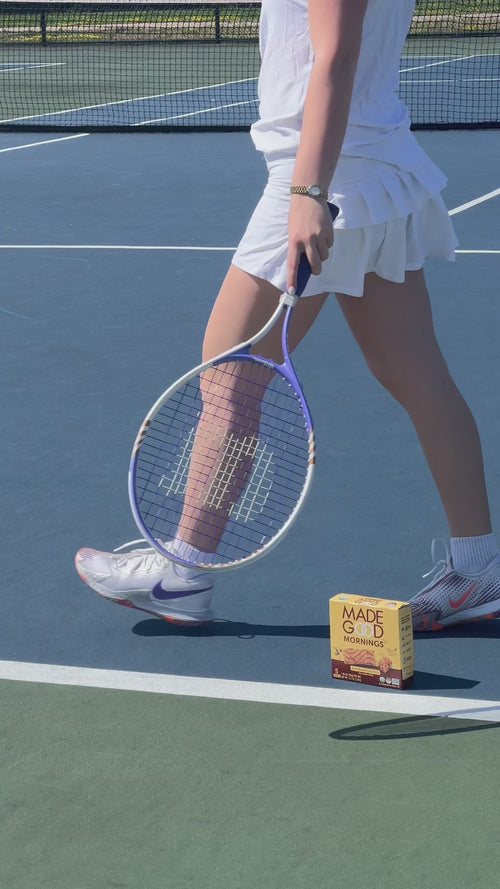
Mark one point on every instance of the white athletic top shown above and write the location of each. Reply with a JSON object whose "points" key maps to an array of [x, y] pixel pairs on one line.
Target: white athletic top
{"points": [[379, 124], [384, 184]]}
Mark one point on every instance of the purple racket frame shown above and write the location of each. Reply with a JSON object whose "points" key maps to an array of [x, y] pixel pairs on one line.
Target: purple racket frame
{"points": [[241, 352]]}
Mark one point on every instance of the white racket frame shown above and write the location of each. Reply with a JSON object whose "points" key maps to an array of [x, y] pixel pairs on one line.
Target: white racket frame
{"points": [[287, 301]]}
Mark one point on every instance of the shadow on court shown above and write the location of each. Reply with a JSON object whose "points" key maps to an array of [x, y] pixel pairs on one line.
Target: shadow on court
{"points": [[247, 632], [228, 628], [410, 727]]}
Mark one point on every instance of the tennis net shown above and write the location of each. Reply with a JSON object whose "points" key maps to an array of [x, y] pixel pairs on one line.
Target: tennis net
{"points": [[194, 66]]}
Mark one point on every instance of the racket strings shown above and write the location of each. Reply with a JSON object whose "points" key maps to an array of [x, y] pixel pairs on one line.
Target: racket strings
{"points": [[224, 461], [234, 465]]}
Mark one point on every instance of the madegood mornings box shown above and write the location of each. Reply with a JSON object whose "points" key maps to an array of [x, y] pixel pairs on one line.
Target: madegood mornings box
{"points": [[372, 641]]}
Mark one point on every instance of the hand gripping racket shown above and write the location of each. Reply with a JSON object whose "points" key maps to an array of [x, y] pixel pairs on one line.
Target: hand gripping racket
{"points": [[225, 457]]}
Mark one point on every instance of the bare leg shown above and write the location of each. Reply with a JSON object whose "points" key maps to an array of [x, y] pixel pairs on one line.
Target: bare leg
{"points": [[227, 433], [243, 306], [393, 325]]}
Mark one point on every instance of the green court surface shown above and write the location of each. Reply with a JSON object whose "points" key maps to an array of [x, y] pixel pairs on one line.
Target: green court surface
{"points": [[105, 789]]}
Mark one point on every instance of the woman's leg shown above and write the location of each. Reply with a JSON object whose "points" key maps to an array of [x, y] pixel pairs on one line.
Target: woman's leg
{"points": [[228, 430], [243, 306], [393, 325], [143, 578]]}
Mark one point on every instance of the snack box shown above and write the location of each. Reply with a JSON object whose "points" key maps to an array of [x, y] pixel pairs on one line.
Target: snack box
{"points": [[371, 640]]}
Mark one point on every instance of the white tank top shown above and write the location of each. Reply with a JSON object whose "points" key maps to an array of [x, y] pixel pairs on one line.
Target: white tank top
{"points": [[379, 124]]}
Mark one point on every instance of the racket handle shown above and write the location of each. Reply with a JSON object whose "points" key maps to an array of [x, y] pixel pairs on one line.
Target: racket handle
{"points": [[304, 270]]}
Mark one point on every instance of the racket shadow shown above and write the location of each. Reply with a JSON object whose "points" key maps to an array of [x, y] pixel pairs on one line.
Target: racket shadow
{"points": [[410, 728]]}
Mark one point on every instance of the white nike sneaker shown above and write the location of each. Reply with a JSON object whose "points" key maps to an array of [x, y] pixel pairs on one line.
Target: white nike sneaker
{"points": [[453, 598], [148, 581]]}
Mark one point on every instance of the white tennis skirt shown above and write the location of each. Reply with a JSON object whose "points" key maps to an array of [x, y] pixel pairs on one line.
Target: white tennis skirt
{"points": [[390, 222]]}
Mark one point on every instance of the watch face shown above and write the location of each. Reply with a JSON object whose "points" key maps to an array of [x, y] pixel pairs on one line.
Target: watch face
{"points": [[314, 191]]}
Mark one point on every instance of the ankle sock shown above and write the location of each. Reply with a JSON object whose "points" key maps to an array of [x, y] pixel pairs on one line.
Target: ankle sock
{"points": [[186, 551], [471, 555]]}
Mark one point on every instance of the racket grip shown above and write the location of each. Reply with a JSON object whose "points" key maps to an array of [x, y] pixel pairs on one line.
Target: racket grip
{"points": [[304, 270]]}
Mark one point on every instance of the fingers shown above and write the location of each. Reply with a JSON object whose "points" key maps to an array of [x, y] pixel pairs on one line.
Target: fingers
{"points": [[310, 231], [294, 254], [317, 251]]}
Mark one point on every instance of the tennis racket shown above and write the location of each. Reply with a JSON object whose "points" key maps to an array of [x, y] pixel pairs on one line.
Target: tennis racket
{"points": [[225, 457]]}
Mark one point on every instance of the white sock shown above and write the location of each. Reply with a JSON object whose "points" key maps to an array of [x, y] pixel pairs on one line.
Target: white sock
{"points": [[191, 554], [472, 555]]}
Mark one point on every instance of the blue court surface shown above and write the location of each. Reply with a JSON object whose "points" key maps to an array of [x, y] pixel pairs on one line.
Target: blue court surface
{"points": [[112, 250]]}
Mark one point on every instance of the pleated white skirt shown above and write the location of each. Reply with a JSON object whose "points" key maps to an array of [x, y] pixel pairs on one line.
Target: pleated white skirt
{"points": [[390, 222]]}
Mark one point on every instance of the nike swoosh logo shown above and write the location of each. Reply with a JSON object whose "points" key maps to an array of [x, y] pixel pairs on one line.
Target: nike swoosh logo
{"points": [[463, 598]]}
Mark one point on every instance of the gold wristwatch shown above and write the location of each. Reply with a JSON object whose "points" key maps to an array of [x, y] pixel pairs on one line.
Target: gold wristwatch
{"points": [[314, 191]]}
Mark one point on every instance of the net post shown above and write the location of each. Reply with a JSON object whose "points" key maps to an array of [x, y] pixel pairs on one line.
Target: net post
{"points": [[217, 24], [43, 26]]}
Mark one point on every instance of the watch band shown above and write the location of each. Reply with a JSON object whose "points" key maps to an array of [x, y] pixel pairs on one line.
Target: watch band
{"points": [[313, 191]]}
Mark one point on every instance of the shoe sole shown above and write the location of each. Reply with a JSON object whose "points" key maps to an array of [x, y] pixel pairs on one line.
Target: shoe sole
{"points": [[180, 620], [473, 615]]}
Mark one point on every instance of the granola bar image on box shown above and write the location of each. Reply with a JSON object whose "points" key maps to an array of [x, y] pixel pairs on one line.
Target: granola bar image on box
{"points": [[384, 664], [359, 657]]}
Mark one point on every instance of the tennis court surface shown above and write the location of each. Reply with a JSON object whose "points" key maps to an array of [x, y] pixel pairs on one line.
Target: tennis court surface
{"points": [[138, 753]]}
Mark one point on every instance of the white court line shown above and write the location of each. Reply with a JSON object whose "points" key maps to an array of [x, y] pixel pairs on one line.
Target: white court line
{"points": [[257, 692], [45, 142], [197, 113], [475, 202], [424, 81], [21, 66], [436, 64], [460, 209], [137, 247], [106, 247]]}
